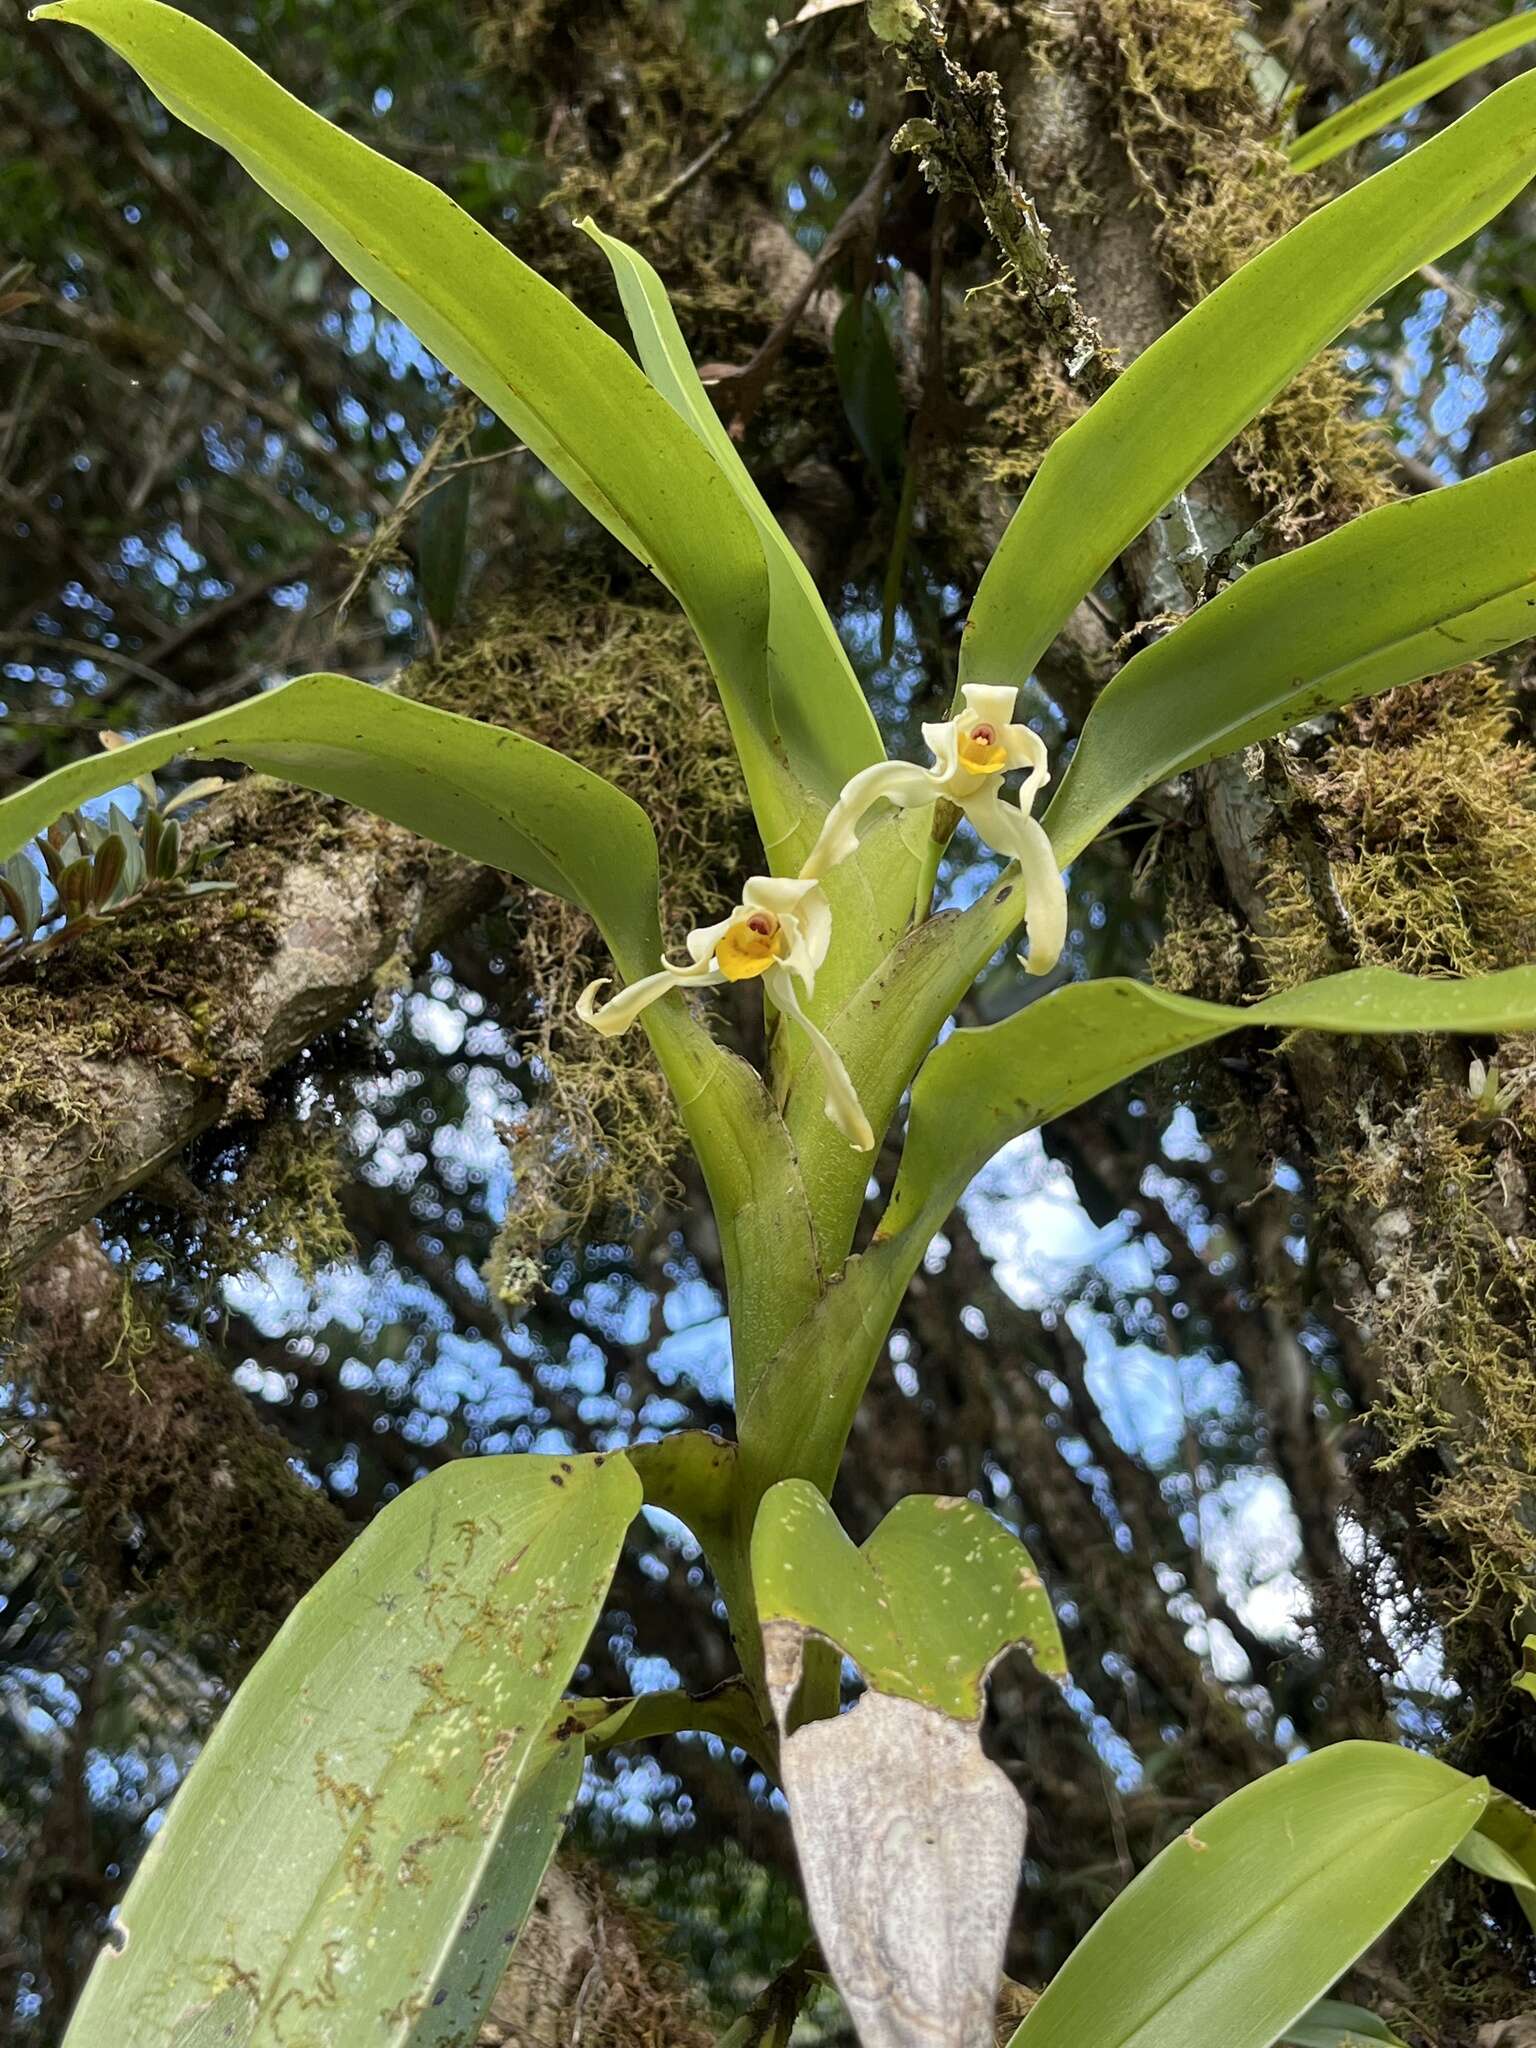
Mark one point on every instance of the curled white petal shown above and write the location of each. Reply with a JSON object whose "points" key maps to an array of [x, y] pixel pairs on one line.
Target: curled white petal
{"points": [[1026, 749], [899, 782], [842, 1104], [620, 1011], [1007, 831]]}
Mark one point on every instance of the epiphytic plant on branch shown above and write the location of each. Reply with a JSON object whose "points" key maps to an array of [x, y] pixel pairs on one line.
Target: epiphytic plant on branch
{"points": [[365, 1832]]}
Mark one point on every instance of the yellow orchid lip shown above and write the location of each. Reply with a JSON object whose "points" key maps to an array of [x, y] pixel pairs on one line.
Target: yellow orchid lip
{"points": [[981, 750], [751, 946]]}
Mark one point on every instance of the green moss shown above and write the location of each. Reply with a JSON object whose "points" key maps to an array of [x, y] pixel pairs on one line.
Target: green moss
{"points": [[629, 695], [183, 1499], [1206, 158]]}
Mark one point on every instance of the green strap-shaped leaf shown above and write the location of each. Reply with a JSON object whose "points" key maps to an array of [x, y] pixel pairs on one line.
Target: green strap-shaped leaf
{"points": [[1404, 592], [828, 728], [571, 392], [1503, 1846], [1245, 1920], [488, 793], [507, 801], [1332, 2024], [1182, 401], [927, 1606], [361, 1838], [1376, 110], [981, 1088]]}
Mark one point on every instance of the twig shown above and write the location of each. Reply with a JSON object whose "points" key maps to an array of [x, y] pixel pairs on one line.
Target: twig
{"points": [[964, 147], [738, 394], [95, 652], [458, 424], [734, 129]]}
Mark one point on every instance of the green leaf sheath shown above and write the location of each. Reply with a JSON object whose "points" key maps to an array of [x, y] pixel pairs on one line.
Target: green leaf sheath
{"points": [[1242, 1923], [1181, 402], [1406, 591], [927, 1606], [567, 388], [828, 730], [1376, 110], [982, 1088], [369, 1821], [487, 793], [1503, 1846]]}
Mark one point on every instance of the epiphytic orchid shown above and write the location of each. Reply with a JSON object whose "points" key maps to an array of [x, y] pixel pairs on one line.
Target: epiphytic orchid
{"points": [[779, 932], [494, 1570], [971, 755]]}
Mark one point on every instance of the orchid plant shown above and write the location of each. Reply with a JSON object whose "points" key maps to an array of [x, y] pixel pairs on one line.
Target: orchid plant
{"points": [[366, 1830]]}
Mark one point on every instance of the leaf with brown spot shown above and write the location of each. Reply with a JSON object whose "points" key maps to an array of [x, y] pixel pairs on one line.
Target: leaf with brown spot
{"points": [[371, 1819]]}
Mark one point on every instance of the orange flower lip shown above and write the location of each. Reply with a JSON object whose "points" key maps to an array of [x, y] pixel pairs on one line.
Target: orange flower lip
{"points": [[981, 750], [751, 947]]}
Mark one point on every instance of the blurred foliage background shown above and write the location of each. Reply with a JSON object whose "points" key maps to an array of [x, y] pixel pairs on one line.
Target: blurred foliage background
{"points": [[451, 1227]]}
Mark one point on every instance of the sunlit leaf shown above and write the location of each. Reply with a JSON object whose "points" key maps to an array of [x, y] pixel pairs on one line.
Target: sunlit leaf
{"points": [[1184, 398], [1247, 1918], [359, 1841], [1407, 591], [1376, 110], [983, 1087], [925, 1608], [497, 797], [827, 726], [488, 793], [567, 388]]}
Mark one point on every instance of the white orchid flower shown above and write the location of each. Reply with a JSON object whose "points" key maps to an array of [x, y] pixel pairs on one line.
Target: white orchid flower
{"points": [[971, 755], [779, 932]]}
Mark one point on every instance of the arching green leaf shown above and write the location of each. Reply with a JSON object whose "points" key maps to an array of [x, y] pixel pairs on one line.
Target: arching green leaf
{"points": [[1332, 2024], [555, 378], [499, 798], [366, 1828], [828, 728], [1244, 1921], [1404, 592], [488, 793], [1182, 401], [981, 1088], [1376, 110]]}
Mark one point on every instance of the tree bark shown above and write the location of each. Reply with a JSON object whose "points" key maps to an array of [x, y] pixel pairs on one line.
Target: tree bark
{"points": [[327, 900]]}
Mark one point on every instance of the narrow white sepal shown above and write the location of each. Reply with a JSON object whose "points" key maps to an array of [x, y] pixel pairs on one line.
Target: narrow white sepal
{"points": [[842, 1104], [1004, 827]]}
